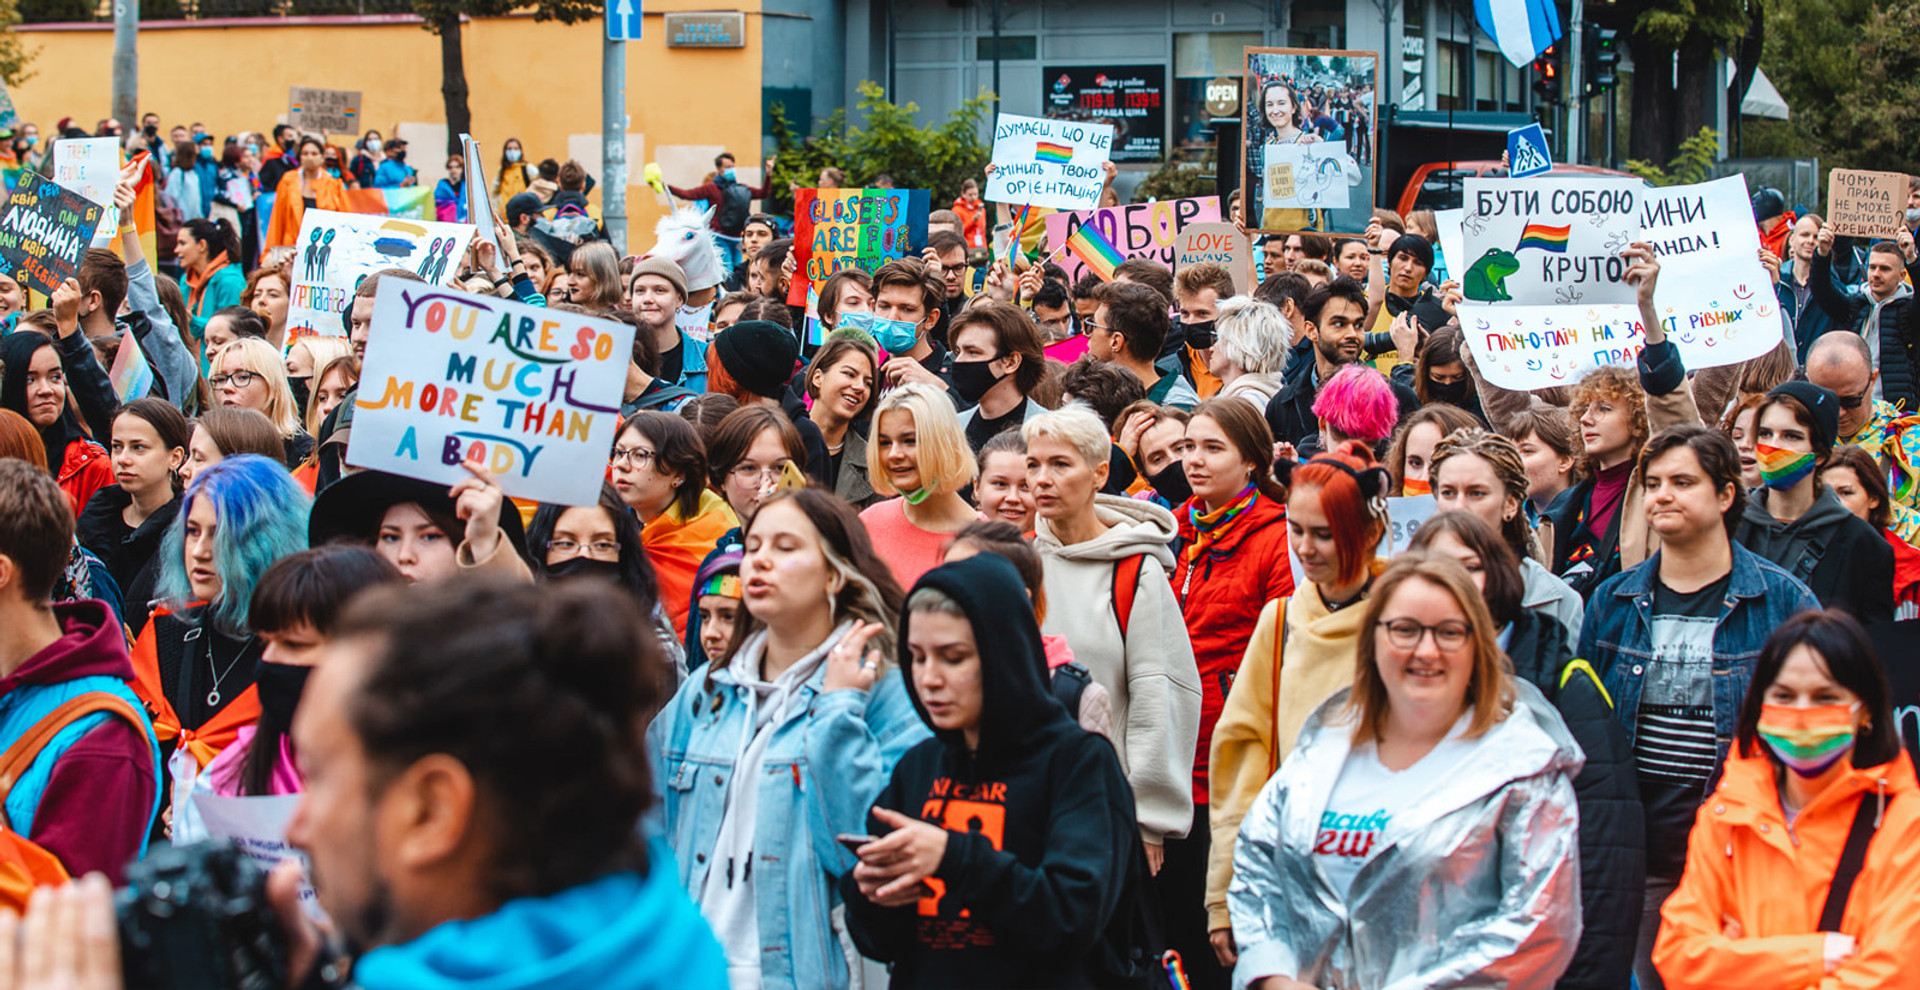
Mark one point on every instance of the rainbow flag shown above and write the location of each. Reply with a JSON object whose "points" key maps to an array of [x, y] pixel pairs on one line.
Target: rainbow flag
{"points": [[1052, 154], [1539, 235], [411, 202], [132, 376], [1095, 250]]}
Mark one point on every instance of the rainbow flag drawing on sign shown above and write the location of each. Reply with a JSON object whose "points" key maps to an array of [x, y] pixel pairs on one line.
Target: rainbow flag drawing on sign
{"points": [[411, 202], [1539, 235], [1095, 251], [132, 376], [1052, 154]]}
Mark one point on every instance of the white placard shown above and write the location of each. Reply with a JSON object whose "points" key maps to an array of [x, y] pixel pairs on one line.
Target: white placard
{"points": [[479, 201], [1546, 242], [91, 167], [258, 826], [1051, 163], [334, 251], [1310, 176]]}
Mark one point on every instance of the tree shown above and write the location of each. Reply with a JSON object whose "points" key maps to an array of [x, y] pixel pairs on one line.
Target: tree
{"points": [[14, 54], [1850, 70], [1693, 164], [1670, 104], [442, 18], [937, 158]]}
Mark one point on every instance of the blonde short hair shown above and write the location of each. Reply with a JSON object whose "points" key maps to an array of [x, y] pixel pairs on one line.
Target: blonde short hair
{"points": [[1253, 335], [257, 355], [1075, 424], [946, 462]]}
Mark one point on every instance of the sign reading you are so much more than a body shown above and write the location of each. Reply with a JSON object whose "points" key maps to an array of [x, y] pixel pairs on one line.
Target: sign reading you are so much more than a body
{"points": [[334, 251], [1052, 163], [1137, 230], [838, 229], [1714, 299], [530, 393], [44, 234]]}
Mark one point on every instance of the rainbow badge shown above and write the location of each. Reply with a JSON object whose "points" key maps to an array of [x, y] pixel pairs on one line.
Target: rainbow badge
{"points": [[1052, 154], [1096, 251], [1539, 235]]}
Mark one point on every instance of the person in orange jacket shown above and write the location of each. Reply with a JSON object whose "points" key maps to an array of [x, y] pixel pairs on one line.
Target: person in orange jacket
{"points": [[973, 214], [1817, 755], [301, 188]]}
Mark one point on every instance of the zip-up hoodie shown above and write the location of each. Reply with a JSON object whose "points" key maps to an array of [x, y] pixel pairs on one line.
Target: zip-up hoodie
{"points": [[1747, 866], [1150, 674], [1040, 822], [1839, 556]]}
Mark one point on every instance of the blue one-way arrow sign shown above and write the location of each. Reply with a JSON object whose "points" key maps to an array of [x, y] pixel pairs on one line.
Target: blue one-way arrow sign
{"points": [[623, 20]]}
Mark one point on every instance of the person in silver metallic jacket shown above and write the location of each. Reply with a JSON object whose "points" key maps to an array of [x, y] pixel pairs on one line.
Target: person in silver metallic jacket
{"points": [[1424, 832]]}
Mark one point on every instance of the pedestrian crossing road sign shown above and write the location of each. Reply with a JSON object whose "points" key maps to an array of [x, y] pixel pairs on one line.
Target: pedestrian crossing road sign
{"points": [[1527, 152]]}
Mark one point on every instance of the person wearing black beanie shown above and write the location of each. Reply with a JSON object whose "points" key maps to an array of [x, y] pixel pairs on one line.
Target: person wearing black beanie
{"points": [[754, 360]]}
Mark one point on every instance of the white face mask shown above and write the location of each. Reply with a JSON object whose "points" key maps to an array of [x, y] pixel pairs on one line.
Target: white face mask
{"points": [[373, 146], [513, 154]]}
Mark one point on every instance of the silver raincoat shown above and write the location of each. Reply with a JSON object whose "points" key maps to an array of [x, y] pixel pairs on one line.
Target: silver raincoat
{"points": [[1475, 885]]}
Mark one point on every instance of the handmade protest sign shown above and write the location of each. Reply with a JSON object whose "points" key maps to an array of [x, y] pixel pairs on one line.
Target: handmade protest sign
{"points": [[45, 233], [1307, 162], [335, 111], [336, 250], [479, 203], [1136, 230], [1535, 242], [1866, 204], [1050, 163], [531, 393], [837, 229], [257, 826], [1307, 176], [91, 167], [1221, 243]]}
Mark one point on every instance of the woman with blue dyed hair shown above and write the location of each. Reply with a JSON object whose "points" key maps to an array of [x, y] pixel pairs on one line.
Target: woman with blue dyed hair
{"points": [[194, 665]]}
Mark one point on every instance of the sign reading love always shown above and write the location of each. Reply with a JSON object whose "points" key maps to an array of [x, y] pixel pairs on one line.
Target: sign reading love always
{"points": [[1714, 298]]}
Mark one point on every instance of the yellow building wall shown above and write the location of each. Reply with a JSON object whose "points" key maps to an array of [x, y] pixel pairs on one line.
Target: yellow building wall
{"points": [[536, 81]]}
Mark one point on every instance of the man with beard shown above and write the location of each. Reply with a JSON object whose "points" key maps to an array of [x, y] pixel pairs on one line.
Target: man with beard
{"points": [[1335, 315]]}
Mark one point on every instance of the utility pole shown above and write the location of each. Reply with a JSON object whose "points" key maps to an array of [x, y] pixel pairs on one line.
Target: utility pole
{"points": [[1577, 86], [613, 124], [126, 64]]}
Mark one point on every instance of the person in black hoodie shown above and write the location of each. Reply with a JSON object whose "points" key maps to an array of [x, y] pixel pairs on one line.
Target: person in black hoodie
{"points": [[124, 522], [1018, 849]]}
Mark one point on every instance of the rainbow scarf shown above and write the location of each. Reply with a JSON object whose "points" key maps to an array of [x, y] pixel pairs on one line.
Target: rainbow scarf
{"points": [[1781, 468], [1212, 525]]}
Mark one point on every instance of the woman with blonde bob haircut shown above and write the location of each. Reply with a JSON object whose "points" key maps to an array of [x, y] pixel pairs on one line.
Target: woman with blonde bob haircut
{"points": [[250, 374], [1447, 770], [919, 453], [1250, 345]]}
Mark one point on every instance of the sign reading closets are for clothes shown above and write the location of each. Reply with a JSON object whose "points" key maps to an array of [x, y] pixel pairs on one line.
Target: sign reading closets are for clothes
{"points": [[1132, 98]]}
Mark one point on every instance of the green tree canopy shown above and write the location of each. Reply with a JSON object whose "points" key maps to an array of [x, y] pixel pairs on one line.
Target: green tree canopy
{"points": [[890, 142]]}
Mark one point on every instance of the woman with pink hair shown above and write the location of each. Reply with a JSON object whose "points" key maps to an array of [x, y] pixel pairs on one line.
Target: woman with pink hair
{"points": [[1356, 404]]}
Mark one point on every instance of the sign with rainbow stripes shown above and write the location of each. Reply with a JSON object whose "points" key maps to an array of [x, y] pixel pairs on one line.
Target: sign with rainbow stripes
{"points": [[1057, 164], [1548, 241], [326, 111], [837, 229]]}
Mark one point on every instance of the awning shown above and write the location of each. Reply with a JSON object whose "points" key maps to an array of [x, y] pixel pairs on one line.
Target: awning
{"points": [[1763, 100]]}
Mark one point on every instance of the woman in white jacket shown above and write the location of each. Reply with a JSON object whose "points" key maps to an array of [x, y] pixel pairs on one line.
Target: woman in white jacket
{"points": [[1107, 559]]}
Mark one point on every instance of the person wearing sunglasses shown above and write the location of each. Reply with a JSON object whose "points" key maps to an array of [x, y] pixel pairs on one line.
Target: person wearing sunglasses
{"points": [[1843, 364]]}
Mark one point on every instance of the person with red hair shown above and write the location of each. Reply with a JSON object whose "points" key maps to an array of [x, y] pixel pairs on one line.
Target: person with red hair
{"points": [[1301, 651]]}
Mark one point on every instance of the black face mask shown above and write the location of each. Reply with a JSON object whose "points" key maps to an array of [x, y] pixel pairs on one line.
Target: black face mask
{"points": [[400, 156], [280, 685], [972, 379], [1171, 483], [1454, 393], [584, 567], [300, 385], [1199, 335]]}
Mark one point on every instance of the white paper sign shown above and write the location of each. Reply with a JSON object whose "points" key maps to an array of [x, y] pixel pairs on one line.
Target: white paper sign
{"points": [[479, 201], [533, 394], [91, 167], [258, 826], [1308, 176], [336, 250], [1545, 242], [1051, 163], [1405, 515]]}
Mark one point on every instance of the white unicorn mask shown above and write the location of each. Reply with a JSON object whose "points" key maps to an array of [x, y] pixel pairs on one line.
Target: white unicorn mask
{"points": [[685, 238]]}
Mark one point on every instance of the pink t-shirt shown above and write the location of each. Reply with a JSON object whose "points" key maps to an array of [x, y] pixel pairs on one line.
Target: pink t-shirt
{"points": [[908, 550]]}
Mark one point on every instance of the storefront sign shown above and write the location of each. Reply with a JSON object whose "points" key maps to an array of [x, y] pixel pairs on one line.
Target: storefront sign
{"points": [[707, 29], [1130, 97]]}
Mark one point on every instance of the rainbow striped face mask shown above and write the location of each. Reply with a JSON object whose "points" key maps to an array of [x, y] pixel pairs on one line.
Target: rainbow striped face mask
{"points": [[1808, 740], [1781, 468]]}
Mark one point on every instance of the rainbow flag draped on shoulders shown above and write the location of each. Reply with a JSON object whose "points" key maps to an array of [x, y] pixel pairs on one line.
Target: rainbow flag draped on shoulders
{"points": [[409, 202]]}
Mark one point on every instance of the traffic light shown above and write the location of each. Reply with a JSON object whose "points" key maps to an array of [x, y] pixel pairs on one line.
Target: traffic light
{"points": [[1546, 76], [1606, 57]]}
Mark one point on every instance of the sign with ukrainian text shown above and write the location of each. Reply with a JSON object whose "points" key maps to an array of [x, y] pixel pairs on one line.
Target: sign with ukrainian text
{"points": [[1535, 242], [327, 111], [1052, 163], [334, 251], [838, 229], [45, 233], [530, 393], [1136, 230]]}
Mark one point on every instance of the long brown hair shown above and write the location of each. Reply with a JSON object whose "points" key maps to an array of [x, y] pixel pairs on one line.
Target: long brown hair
{"points": [[1251, 437], [1489, 690]]}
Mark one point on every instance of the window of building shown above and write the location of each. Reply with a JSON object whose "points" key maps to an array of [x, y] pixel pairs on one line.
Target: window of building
{"points": [[1206, 66]]}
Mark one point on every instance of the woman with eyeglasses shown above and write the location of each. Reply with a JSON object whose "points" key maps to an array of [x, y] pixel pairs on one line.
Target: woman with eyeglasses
{"points": [[250, 374], [754, 451], [659, 469], [1423, 832], [602, 541]]}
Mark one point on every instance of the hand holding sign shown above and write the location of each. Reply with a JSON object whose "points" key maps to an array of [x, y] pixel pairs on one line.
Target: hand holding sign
{"points": [[1053, 163], [476, 502]]}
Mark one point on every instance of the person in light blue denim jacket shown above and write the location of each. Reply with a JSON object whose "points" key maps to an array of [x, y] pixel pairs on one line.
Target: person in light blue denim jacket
{"points": [[766, 754]]}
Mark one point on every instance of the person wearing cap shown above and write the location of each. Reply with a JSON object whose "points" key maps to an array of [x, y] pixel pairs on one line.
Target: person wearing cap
{"points": [[1775, 221], [395, 172], [657, 287], [522, 209], [753, 361], [716, 603], [1797, 522], [425, 529]]}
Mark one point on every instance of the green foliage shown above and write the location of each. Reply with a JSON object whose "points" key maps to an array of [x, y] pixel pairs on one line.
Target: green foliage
{"points": [[1178, 179], [443, 12], [15, 56], [52, 12], [1693, 164], [891, 142], [1851, 73], [1670, 22]]}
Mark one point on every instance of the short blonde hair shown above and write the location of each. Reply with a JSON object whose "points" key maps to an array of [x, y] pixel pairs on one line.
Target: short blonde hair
{"points": [[1075, 424], [946, 462], [257, 355], [1253, 335]]}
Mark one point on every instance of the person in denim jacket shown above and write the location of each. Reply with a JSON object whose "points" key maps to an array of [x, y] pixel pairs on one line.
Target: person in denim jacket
{"points": [[767, 753], [1675, 640]]}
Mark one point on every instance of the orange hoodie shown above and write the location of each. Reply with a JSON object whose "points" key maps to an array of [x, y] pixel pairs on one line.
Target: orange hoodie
{"points": [[1745, 866]]}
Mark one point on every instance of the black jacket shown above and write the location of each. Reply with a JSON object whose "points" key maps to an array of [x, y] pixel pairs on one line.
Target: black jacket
{"points": [[124, 549], [1290, 411], [1898, 329], [1842, 560], [1613, 855], [1041, 840]]}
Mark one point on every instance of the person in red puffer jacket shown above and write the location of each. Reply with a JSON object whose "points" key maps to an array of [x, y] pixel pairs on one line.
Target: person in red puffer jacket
{"points": [[48, 380]]}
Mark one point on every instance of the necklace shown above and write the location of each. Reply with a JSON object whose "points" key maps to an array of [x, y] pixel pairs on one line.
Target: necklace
{"points": [[213, 696]]}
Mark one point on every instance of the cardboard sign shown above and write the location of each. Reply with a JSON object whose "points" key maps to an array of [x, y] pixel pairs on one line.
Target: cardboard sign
{"points": [[45, 233], [336, 250], [1715, 299], [1527, 153], [1136, 230], [1866, 204], [91, 167], [257, 826], [479, 203], [1308, 176], [837, 229], [1051, 163], [323, 110], [1531, 242], [1222, 243], [531, 393]]}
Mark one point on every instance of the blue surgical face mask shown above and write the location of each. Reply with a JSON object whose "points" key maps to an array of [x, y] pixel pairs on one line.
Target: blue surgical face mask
{"points": [[253, 149], [513, 154], [373, 146], [206, 153], [727, 175], [893, 336], [33, 139]]}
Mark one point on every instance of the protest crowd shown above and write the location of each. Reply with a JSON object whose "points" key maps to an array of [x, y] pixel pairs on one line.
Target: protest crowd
{"points": [[1012, 614]]}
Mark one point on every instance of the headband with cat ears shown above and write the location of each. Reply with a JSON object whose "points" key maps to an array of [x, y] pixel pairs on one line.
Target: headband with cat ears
{"points": [[1374, 482]]}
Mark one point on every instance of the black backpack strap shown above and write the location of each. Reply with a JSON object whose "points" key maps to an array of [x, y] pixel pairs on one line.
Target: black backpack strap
{"points": [[1069, 683], [1853, 856]]}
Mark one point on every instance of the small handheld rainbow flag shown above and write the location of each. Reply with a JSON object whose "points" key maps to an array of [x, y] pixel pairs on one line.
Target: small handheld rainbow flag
{"points": [[1095, 250], [816, 330], [1052, 154], [132, 376], [1539, 235]]}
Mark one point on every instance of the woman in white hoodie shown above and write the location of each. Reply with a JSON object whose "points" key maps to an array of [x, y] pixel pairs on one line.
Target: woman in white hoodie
{"points": [[1107, 559], [1250, 344]]}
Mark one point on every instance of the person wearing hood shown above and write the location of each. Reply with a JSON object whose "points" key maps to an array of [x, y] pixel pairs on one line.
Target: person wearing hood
{"points": [[124, 523], [767, 753], [1773, 882], [1009, 849], [91, 795], [1433, 796], [1613, 855], [428, 531], [1250, 345], [1797, 522], [997, 363], [53, 382], [1109, 556]]}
